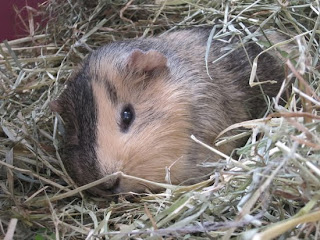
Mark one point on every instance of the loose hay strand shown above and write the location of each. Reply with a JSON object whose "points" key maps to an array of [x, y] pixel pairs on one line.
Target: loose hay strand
{"points": [[277, 229]]}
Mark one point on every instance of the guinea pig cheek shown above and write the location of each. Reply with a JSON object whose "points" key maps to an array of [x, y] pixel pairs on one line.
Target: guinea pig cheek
{"points": [[108, 137], [161, 136]]}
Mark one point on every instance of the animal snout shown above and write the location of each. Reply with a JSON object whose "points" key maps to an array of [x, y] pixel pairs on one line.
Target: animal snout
{"points": [[112, 184], [119, 185], [107, 188]]}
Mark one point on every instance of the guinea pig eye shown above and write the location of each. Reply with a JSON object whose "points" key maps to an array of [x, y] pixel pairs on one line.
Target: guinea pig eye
{"points": [[126, 117]]}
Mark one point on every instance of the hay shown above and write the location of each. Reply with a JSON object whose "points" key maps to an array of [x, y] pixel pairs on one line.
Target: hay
{"points": [[272, 189]]}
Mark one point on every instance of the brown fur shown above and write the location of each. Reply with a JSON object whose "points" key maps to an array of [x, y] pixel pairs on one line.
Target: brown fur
{"points": [[166, 131], [166, 82]]}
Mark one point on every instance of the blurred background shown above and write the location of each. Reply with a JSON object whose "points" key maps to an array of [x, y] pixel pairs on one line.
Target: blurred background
{"points": [[18, 18]]}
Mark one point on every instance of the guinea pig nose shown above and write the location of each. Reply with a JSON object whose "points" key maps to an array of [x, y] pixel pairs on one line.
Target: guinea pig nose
{"points": [[110, 186], [116, 188]]}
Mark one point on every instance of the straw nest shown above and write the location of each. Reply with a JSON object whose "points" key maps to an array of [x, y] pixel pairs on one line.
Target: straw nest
{"points": [[270, 189]]}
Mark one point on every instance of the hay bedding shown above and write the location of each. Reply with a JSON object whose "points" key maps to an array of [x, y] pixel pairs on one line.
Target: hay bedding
{"points": [[272, 190]]}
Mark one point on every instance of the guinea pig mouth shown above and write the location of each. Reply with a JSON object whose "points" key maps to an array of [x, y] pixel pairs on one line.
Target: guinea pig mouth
{"points": [[121, 187], [104, 190], [96, 191], [107, 188]]}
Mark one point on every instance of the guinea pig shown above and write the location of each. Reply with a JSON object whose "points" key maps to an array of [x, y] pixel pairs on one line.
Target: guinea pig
{"points": [[133, 105]]}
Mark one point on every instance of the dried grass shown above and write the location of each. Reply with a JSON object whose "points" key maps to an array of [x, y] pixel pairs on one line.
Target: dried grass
{"points": [[271, 190]]}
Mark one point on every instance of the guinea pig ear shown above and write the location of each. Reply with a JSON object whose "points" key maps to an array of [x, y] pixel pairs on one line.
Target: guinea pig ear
{"points": [[55, 106], [146, 61]]}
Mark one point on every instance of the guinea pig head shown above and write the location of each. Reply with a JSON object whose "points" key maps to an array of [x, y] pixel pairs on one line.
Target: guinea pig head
{"points": [[124, 112]]}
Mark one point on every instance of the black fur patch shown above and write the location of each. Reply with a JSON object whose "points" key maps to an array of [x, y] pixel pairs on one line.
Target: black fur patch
{"points": [[79, 112], [111, 92]]}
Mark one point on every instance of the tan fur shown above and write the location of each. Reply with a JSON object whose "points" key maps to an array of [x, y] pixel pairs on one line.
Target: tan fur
{"points": [[165, 81], [107, 132], [147, 152]]}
